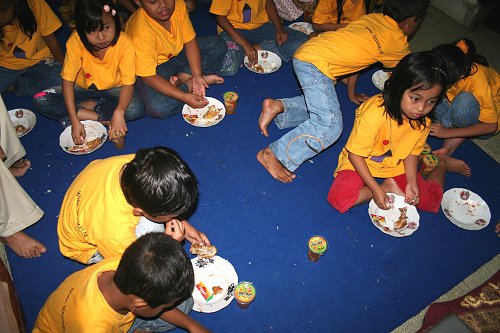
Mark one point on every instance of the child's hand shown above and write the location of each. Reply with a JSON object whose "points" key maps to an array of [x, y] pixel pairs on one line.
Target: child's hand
{"points": [[117, 127], [199, 85], [78, 133], [358, 98], [411, 194], [194, 236], [381, 200], [281, 37], [175, 229], [438, 130], [196, 101], [251, 53]]}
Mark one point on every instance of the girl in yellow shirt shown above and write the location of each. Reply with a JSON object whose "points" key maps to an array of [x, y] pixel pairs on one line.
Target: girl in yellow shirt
{"points": [[389, 133], [471, 108], [30, 56], [330, 15]]}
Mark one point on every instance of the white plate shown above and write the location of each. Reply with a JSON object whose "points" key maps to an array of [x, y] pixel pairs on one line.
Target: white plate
{"points": [[303, 27], [213, 272], [385, 219], [23, 120], [465, 209], [93, 130], [267, 62], [379, 78], [197, 117]]}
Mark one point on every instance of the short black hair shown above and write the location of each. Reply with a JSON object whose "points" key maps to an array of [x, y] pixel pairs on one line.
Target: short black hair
{"points": [[416, 71], [157, 269], [400, 10], [159, 182], [88, 18]]}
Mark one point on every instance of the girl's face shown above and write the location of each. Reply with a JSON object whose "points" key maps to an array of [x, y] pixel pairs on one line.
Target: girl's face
{"points": [[417, 104], [101, 39], [158, 10], [6, 12]]}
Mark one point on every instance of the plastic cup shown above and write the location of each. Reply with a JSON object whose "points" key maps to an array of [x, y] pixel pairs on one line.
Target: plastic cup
{"points": [[230, 99], [244, 294], [317, 246]]}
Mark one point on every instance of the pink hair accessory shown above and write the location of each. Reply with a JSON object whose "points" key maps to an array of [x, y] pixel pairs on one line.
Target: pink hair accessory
{"points": [[107, 9]]}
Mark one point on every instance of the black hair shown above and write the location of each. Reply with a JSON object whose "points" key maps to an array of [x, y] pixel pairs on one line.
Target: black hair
{"points": [[416, 71], [460, 64], [25, 18], [400, 10], [159, 182], [88, 18], [157, 269], [340, 10]]}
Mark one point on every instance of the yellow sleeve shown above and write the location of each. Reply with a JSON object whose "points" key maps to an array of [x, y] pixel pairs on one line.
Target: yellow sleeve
{"points": [[47, 21], [221, 7], [419, 146], [188, 32], [73, 58], [127, 63], [325, 12]]}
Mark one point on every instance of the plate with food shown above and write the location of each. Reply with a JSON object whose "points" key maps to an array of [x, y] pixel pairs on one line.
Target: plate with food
{"points": [[379, 78], [215, 280], [400, 220], [303, 27], [267, 62], [24, 120], [465, 209], [209, 115], [95, 136]]}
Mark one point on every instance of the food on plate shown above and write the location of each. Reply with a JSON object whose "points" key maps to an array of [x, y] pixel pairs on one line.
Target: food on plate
{"points": [[212, 112], [86, 146], [217, 290], [203, 251], [20, 129], [259, 68]]}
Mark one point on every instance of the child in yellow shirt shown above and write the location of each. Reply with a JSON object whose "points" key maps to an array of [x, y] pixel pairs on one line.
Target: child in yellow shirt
{"points": [[114, 295], [98, 74], [330, 15], [175, 67], [30, 55], [471, 108], [389, 133], [318, 64]]}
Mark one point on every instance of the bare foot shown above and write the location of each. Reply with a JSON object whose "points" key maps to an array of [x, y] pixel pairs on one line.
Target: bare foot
{"points": [[389, 185], [23, 245], [19, 168], [270, 109], [441, 152], [275, 168], [175, 81], [213, 79], [455, 165]]}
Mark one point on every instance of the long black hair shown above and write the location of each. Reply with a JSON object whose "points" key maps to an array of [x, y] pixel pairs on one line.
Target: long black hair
{"points": [[416, 71], [25, 18]]}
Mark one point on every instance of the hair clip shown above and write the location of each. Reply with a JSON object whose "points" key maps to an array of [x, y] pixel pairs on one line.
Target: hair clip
{"points": [[107, 9], [440, 71], [462, 45]]}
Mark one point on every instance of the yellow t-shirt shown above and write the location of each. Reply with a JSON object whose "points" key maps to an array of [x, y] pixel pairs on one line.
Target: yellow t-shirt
{"points": [[326, 11], [95, 214], [115, 70], [154, 45], [371, 38], [375, 134], [233, 10], [17, 50], [484, 84], [78, 305]]}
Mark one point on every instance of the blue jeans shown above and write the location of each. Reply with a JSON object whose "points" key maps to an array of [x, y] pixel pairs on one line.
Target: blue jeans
{"points": [[50, 103], [31, 80], [316, 114], [265, 37], [158, 105], [462, 112], [158, 325]]}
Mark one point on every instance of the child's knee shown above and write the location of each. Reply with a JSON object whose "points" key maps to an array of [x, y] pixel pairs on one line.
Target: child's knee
{"points": [[430, 198], [339, 199]]}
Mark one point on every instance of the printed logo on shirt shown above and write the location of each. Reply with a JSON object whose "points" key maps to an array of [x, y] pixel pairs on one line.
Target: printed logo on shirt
{"points": [[19, 53], [380, 158]]}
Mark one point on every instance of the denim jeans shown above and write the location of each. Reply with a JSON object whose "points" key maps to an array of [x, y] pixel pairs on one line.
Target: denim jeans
{"points": [[158, 105], [316, 114], [31, 80], [50, 103], [462, 112], [265, 37], [158, 325]]}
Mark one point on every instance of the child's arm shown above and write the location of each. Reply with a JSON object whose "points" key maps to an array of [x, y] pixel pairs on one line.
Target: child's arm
{"points": [[411, 190], [77, 130], [179, 318], [360, 166], [272, 12], [54, 47], [194, 59], [164, 86], [250, 51], [193, 235], [118, 124], [351, 90], [439, 131]]}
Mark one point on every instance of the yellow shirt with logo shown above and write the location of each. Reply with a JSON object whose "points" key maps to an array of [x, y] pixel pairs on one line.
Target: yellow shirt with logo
{"points": [[17, 50], [89, 72], [154, 44], [233, 10], [371, 38], [326, 11], [484, 84], [95, 214], [78, 305], [378, 138]]}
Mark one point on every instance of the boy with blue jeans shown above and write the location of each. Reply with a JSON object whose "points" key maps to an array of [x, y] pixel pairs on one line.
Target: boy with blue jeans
{"points": [[173, 66], [318, 64]]}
